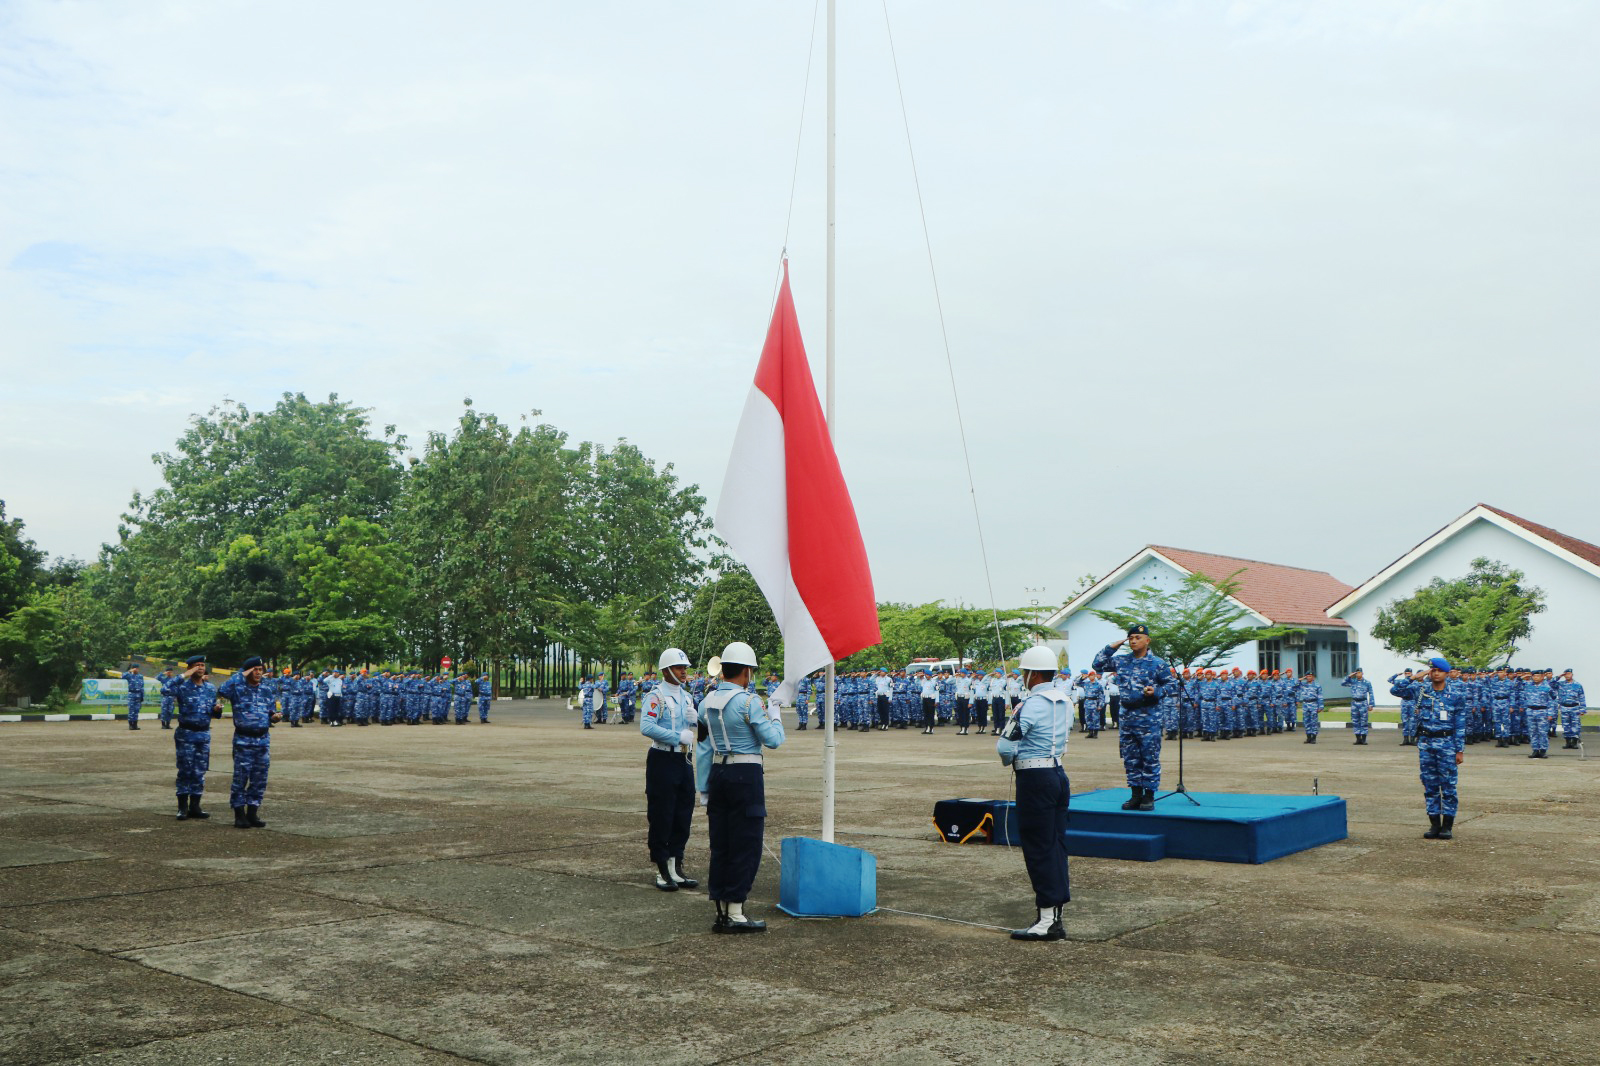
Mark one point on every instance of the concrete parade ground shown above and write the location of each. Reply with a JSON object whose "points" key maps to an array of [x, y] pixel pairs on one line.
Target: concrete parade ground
{"points": [[480, 893]]}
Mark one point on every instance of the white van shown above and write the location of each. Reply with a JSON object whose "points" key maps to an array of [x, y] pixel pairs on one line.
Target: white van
{"points": [[941, 666]]}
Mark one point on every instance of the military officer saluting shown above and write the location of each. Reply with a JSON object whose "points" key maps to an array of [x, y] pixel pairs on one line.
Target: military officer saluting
{"points": [[737, 727], [1441, 741], [197, 706], [253, 718], [669, 721], [1033, 742], [1144, 679]]}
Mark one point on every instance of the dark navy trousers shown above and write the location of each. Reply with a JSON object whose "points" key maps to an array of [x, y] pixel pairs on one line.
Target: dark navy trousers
{"points": [[669, 802], [736, 813], [1042, 798]]}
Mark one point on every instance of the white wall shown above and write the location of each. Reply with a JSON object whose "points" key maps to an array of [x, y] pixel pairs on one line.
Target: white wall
{"points": [[1088, 633], [1563, 635]]}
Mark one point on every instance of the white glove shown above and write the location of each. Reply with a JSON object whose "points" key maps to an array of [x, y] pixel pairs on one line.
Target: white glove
{"points": [[686, 738], [691, 717], [700, 798], [775, 712]]}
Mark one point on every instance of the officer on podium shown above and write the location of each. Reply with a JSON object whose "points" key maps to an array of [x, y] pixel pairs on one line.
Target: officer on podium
{"points": [[1033, 743]]}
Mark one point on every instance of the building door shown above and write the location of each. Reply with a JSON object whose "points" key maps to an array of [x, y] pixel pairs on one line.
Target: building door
{"points": [[1306, 661]]}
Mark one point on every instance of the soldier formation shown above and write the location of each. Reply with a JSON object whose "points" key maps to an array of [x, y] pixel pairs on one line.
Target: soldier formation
{"points": [[1511, 705]]}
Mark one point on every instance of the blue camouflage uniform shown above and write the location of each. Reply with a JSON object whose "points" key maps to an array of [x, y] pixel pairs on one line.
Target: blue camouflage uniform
{"points": [[586, 696], [1360, 703], [1310, 695], [252, 739], [1139, 740], [1169, 712], [1206, 689], [1441, 735], [485, 696], [802, 700], [737, 727], [1094, 703], [1519, 709], [196, 705], [1571, 703], [135, 696], [1540, 700], [1500, 708], [169, 686], [627, 692], [1034, 744], [461, 690], [321, 697], [1408, 715]]}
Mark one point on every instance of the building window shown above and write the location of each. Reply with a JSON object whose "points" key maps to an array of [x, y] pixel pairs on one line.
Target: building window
{"points": [[1306, 661], [1268, 655], [1342, 658]]}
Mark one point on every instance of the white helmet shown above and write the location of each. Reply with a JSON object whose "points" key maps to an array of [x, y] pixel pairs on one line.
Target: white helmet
{"points": [[739, 654], [672, 657], [1039, 657]]}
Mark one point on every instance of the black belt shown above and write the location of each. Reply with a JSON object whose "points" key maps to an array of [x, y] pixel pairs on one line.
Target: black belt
{"points": [[195, 728], [1430, 734], [249, 731]]}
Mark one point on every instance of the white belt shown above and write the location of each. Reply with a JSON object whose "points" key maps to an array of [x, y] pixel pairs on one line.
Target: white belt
{"points": [[680, 748], [1036, 764], [724, 760]]}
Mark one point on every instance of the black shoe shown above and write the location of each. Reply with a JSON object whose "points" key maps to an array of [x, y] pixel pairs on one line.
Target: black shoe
{"points": [[1147, 799], [194, 808], [664, 879], [1533, 755], [1499, 742], [239, 819], [726, 924], [1132, 804], [586, 725], [166, 725], [1445, 827], [1056, 931], [1312, 739], [802, 727], [183, 808], [133, 725], [294, 725], [1433, 828], [251, 817], [683, 880]]}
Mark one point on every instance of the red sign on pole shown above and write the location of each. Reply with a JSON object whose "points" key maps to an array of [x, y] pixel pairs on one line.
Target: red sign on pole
{"points": [[446, 663]]}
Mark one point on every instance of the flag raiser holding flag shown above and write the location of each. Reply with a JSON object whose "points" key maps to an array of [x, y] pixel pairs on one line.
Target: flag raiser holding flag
{"points": [[813, 573]]}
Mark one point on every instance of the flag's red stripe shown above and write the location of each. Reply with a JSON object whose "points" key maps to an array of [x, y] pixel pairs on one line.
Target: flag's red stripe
{"points": [[826, 555]]}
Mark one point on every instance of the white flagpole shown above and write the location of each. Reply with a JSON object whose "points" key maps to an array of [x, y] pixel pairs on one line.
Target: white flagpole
{"points": [[828, 741]]}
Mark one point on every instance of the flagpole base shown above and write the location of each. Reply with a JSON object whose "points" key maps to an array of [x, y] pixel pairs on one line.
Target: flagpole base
{"points": [[823, 880]]}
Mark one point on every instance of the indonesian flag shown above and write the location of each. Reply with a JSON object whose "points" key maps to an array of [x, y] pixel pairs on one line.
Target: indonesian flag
{"points": [[786, 511]]}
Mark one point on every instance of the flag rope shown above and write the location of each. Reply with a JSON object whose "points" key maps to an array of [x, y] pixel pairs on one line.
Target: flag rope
{"points": [[944, 333]]}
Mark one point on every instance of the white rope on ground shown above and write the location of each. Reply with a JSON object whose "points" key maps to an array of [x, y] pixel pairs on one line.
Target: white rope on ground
{"points": [[942, 918], [944, 333]]}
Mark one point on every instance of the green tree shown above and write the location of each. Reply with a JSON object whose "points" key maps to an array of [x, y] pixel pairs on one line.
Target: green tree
{"points": [[730, 607], [1475, 620], [1195, 625], [210, 558], [21, 564]]}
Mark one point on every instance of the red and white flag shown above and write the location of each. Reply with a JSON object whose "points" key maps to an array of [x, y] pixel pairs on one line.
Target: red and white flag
{"points": [[785, 510]]}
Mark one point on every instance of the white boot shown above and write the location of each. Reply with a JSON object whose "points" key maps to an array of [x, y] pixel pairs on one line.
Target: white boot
{"points": [[677, 875], [1043, 929], [738, 923]]}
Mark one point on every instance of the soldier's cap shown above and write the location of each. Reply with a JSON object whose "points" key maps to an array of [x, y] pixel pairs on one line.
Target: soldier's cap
{"points": [[194, 660], [1138, 631], [254, 660], [1568, 670], [1439, 662]]}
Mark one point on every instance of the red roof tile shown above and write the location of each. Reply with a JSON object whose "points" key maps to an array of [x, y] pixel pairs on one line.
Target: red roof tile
{"points": [[1287, 595], [1581, 548]]}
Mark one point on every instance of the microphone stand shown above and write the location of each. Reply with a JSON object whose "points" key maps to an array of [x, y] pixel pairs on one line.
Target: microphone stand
{"points": [[1179, 790]]}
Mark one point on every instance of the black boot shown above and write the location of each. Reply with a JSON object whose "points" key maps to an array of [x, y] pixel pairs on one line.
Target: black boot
{"points": [[252, 818], [1433, 828], [719, 926], [183, 808], [664, 879], [239, 819], [1312, 739], [1133, 801], [1533, 755], [681, 879], [194, 808], [1445, 827], [1147, 802]]}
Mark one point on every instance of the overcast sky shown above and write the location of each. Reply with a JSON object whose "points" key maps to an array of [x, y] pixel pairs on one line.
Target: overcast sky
{"points": [[1293, 281]]}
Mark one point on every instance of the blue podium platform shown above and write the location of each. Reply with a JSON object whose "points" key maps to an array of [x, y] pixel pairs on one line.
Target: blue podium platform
{"points": [[1224, 827]]}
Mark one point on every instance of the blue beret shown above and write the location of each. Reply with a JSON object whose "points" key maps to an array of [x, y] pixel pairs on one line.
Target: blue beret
{"points": [[1138, 631], [1439, 663], [1568, 670], [193, 659], [254, 660]]}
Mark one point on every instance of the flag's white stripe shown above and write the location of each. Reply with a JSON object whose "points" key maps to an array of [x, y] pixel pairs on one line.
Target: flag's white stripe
{"points": [[753, 517]]}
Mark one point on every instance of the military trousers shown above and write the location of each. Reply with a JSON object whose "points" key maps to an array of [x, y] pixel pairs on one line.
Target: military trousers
{"points": [[483, 708], [1139, 744], [928, 708], [252, 757], [133, 711], [1437, 763], [193, 748], [1571, 722], [1539, 728], [736, 816], [167, 710], [883, 711], [1313, 721], [997, 713], [669, 803], [963, 712], [1359, 714], [1043, 795]]}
